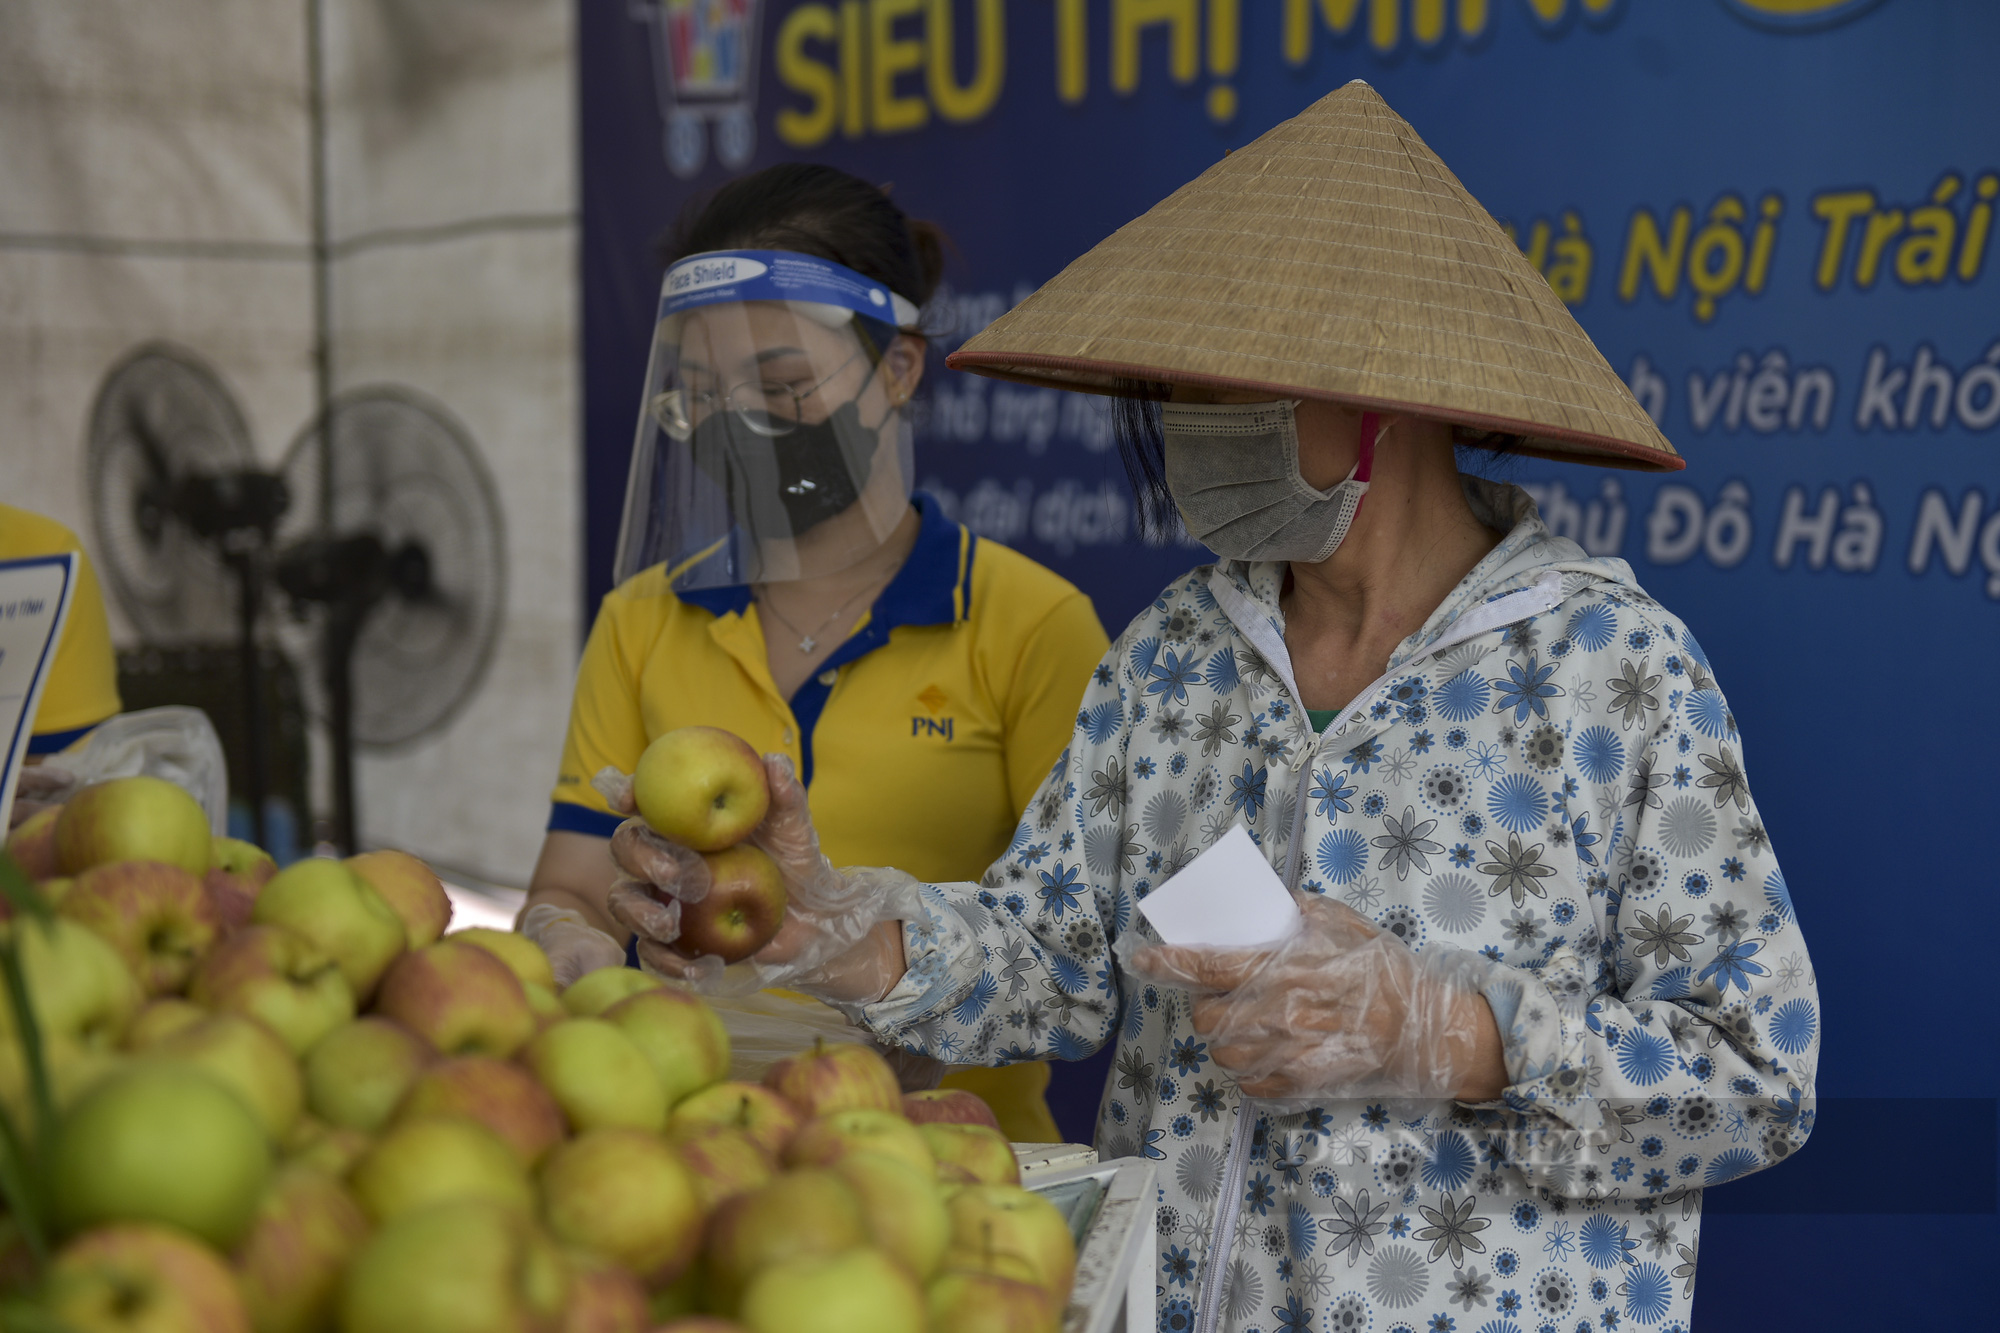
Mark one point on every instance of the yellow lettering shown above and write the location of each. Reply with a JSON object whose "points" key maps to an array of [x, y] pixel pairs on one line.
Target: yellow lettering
{"points": [[989, 63], [853, 83], [803, 74], [1427, 20], [1882, 228], [1472, 15], [890, 56], [1645, 249], [1225, 37], [1762, 241], [1978, 225], [1338, 14], [1072, 51], [1925, 254], [1383, 22], [1837, 209], [1129, 18]]}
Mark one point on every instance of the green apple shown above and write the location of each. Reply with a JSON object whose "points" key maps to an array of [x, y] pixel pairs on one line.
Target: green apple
{"points": [[288, 1268], [32, 844], [339, 911], [156, 915], [971, 1153], [949, 1106], [358, 1074], [860, 1291], [161, 1019], [333, 1149], [432, 1159], [278, 977], [72, 1069], [517, 951], [698, 1323], [703, 787], [546, 1005], [826, 1139], [79, 987], [625, 1194], [411, 888], [973, 1302], [594, 992], [247, 1058], [742, 910], [246, 860], [765, 1115], [163, 1142], [463, 1267], [598, 1075], [800, 1213], [1006, 1220], [132, 819], [724, 1161], [603, 1297], [500, 1095], [459, 998], [133, 1277], [680, 1035], [836, 1076], [901, 1206]]}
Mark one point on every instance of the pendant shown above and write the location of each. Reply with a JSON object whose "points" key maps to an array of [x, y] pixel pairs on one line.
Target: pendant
{"points": [[807, 644]]}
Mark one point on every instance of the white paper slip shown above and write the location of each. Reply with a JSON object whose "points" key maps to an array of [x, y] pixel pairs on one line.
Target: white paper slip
{"points": [[1228, 897], [34, 601]]}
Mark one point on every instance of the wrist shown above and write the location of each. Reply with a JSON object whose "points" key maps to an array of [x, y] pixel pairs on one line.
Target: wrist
{"points": [[1481, 1054]]}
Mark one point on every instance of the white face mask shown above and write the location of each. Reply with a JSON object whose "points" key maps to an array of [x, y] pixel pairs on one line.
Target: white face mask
{"points": [[1233, 469]]}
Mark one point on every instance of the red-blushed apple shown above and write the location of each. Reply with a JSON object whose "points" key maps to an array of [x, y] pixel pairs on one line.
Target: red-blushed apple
{"points": [[411, 888], [594, 992], [703, 787], [436, 1158], [32, 844], [132, 819], [246, 860], [902, 1209], [247, 1058], [339, 911], [160, 1142], [724, 1161], [825, 1139], [989, 1220], [459, 998], [161, 1019], [143, 1278], [743, 909], [463, 1267], [680, 1035], [500, 1095], [949, 1106], [231, 898], [836, 1076], [980, 1153], [359, 1073], [79, 987], [278, 977], [518, 952], [624, 1193], [603, 1298], [333, 1149], [766, 1116], [811, 1212], [598, 1075], [288, 1268], [972, 1302], [859, 1291], [156, 915]]}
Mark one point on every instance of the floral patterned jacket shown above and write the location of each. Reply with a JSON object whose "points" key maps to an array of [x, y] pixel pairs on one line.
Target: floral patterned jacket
{"points": [[1547, 775]]}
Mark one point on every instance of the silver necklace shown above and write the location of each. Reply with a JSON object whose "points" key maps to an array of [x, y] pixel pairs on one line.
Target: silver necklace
{"points": [[807, 643]]}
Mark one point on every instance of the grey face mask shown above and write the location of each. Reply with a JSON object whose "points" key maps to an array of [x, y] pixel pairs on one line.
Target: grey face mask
{"points": [[1233, 469]]}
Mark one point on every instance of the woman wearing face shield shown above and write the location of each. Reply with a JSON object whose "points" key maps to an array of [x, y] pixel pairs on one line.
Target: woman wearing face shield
{"points": [[1546, 985], [907, 682]]}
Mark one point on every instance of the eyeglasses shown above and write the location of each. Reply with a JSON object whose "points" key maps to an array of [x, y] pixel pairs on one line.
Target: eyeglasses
{"points": [[770, 408]]}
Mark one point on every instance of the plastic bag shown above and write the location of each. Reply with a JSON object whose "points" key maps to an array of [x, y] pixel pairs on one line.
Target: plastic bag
{"points": [[175, 742]]}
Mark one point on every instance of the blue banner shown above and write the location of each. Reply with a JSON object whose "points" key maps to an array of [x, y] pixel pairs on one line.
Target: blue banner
{"points": [[1775, 217]]}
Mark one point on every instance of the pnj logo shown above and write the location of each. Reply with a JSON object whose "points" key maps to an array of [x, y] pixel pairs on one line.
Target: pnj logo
{"points": [[933, 699], [1798, 14]]}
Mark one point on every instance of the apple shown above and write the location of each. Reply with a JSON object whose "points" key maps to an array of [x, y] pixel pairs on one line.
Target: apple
{"points": [[132, 819], [703, 787], [980, 1153], [340, 912], [860, 1291], [949, 1106], [434, 1158], [700, 1323], [901, 1208], [973, 1302], [1006, 1220], [724, 1161], [53, 891], [160, 1141], [143, 1279], [411, 888], [459, 998], [517, 951], [826, 1139], [32, 844], [156, 915], [72, 1069], [500, 1095], [462, 1267], [766, 1116], [247, 1058], [231, 898], [836, 1076], [160, 1020], [278, 977], [594, 992], [245, 860], [624, 1193], [545, 1004], [598, 1075], [358, 1074], [800, 1213], [742, 910], [682, 1298], [603, 1298], [680, 1035], [288, 1268], [333, 1149], [79, 987]]}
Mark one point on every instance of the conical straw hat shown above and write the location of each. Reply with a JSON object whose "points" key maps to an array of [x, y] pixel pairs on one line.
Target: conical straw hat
{"points": [[1336, 257]]}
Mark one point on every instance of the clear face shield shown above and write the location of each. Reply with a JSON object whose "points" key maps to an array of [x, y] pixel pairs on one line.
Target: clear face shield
{"points": [[771, 444]]}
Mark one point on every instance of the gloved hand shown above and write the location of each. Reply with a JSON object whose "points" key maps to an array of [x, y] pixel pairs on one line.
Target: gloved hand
{"points": [[573, 945], [1341, 1009], [842, 937]]}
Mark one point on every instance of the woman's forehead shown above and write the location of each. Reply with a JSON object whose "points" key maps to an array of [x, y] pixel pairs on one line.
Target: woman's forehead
{"points": [[746, 329]]}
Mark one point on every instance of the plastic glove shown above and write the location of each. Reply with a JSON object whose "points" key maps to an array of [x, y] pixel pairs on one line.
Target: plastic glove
{"points": [[573, 945], [1341, 1009], [840, 941]]}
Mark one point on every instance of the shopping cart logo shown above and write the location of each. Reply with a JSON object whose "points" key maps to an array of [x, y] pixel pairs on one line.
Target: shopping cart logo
{"points": [[705, 74]]}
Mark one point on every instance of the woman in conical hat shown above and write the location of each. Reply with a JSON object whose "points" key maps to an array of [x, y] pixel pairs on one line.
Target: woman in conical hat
{"points": [[1529, 1004]]}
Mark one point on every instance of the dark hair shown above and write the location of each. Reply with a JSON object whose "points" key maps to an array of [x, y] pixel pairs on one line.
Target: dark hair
{"points": [[1135, 423]]}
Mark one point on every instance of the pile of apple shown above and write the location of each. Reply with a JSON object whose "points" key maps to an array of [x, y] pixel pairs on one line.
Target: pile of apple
{"points": [[248, 1099]]}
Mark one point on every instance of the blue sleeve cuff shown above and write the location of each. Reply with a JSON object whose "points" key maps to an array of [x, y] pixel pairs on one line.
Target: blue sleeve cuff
{"points": [[567, 818], [48, 742]]}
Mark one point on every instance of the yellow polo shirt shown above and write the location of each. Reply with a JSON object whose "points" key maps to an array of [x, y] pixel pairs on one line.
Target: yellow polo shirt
{"points": [[82, 686], [920, 740]]}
